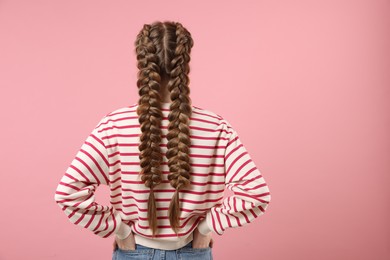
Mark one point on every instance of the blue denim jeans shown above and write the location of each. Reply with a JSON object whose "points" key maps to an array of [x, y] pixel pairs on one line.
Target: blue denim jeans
{"points": [[147, 253]]}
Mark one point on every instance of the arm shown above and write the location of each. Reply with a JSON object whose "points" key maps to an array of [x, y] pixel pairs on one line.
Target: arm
{"points": [[251, 194], [75, 192]]}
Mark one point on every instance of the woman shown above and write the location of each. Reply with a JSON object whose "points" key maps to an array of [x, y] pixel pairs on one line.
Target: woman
{"points": [[166, 162]]}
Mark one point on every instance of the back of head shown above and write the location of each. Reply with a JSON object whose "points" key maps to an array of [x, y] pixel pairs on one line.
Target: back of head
{"points": [[163, 54]]}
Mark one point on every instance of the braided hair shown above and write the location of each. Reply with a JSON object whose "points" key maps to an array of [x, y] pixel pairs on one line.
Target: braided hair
{"points": [[163, 52]]}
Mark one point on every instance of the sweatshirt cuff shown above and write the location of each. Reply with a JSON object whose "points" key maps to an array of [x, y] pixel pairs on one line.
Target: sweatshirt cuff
{"points": [[123, 231], [203, 228]]}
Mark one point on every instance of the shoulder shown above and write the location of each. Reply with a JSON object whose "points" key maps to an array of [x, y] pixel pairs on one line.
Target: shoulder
{"points": [[218, 119], [122, 111], [116, 116]]}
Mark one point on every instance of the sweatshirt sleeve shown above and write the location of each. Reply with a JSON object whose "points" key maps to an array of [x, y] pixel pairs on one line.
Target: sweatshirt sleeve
{"points": [[75, 193], [251, 194]]}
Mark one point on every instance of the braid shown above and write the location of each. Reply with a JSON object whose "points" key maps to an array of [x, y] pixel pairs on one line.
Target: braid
{"points": [[150, 117], [163, 51], [179, 115]]}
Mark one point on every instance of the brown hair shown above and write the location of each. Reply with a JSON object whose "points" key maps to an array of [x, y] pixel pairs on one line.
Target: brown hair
{"points": [[163, 52]]}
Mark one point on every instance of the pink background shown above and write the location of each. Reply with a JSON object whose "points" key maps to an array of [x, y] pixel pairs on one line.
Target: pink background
{"points": [[305, 83]]}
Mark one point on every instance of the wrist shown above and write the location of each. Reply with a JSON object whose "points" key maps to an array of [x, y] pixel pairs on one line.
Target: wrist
{"points": [[203, 228], [123, 231]]}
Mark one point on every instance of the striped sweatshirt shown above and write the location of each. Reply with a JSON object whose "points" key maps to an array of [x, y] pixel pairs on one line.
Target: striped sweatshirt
{"points": [[109, 156]]}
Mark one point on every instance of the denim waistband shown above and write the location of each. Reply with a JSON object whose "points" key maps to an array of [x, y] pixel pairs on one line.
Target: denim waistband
{"points": [[138, 246]]}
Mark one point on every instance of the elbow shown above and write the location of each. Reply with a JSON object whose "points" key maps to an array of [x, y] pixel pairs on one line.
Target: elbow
{"points": [[265, 201], [59, 197]]}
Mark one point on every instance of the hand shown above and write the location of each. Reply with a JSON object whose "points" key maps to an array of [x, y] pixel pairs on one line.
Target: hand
{"points": [[201, 241], [125, 244]]}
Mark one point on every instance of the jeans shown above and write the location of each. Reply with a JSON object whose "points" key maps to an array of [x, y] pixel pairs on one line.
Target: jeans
{"points": [[147, 253]]}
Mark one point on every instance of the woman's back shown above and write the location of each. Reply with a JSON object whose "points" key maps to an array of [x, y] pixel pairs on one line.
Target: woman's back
{"points": [[110, 156]]}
